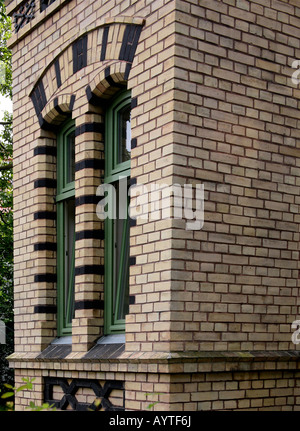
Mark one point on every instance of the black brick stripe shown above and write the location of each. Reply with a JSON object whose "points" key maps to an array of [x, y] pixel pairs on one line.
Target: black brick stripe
{"points": [[45, 149], [133, 143], [133, 102], [132, 222], [89, 127], [95, 304], [127, 71], [48, 246], [79, 53], [86, 199], [104, 43], [45, 215], [129, 43], [92, 99], [45, 182], [57, 73], [107, 72], [45, 125], [131, 299], [72, 101], [45, 278], [89, 164], [132, 260], [38, 98], [110, 80], [58, 108], [90, 269], [89, 234], [48, 309]]}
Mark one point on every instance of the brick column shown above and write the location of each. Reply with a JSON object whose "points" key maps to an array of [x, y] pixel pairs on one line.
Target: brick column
{"points": [[87, 325], [42, 295], [152, 84]]}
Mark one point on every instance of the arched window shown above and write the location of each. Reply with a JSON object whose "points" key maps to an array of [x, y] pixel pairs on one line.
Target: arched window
{"points": [[117, 174], [65, 201]]}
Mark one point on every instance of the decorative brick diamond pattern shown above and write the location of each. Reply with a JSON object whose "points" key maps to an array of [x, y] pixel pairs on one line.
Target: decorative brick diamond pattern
{"points": [[24, 15], [70, 390]]}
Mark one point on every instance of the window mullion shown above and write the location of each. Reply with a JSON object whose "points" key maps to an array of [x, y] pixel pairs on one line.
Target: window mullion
{"points": [[65, 195]]}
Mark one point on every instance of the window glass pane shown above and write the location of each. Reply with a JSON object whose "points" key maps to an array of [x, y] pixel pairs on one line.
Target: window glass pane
{"points": [[118, 232], [124, 140], [69, 258], [121, 264], [65, 228], [117, 169], [71, 157], [123, 306]]}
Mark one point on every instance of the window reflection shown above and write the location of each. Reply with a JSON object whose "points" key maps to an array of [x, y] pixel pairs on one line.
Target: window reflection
{"points": [[125, 135]]}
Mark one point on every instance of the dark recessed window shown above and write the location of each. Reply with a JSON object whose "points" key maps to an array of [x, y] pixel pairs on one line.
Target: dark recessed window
{"points": [[65, 202], [117, 168], [45, 3]]}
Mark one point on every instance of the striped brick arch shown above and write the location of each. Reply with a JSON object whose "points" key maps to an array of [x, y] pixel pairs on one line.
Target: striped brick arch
{"points": [[105, 52]]}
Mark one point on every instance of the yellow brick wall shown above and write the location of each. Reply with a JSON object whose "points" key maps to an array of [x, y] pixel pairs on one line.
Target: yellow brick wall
{"points": [[179, 383], [236, 131], [215, 105]]}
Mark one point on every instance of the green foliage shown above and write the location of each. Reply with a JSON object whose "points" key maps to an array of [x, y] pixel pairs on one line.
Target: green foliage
{"points": [[6, 224], [13, 390], [6, 214], [44, 406], [6, 204], [27, 386], [6, 248], [5, 53], [153, 403]]}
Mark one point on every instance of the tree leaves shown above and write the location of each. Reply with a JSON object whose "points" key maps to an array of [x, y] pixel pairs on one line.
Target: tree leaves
{"points": [[5, 53], [6, 205], [44, 406], [6, 224], [27, 386], [7, 395]]}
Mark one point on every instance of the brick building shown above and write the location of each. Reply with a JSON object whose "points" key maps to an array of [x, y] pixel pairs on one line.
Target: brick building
{"points": [[181, 92]]}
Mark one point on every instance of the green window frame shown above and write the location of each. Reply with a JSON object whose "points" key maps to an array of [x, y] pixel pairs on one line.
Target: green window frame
{"points": [[65, 207], [116, 256]]}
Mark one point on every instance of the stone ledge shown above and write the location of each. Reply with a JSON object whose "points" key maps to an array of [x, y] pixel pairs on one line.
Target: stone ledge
{"points": [[126, 356], [163, 362], [55, 351]]}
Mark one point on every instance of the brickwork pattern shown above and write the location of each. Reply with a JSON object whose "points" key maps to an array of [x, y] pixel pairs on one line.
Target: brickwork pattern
{"points": [[229, 121], [89, 249], [213, 103], [175, 382]]}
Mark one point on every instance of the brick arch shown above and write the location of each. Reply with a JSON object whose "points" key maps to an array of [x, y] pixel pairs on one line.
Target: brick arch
{"points": [[107, 81], [57, 110], [113, 44]]}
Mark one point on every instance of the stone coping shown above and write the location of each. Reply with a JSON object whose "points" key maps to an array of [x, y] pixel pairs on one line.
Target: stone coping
{"points": [[165, 357], [176, 363]]}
